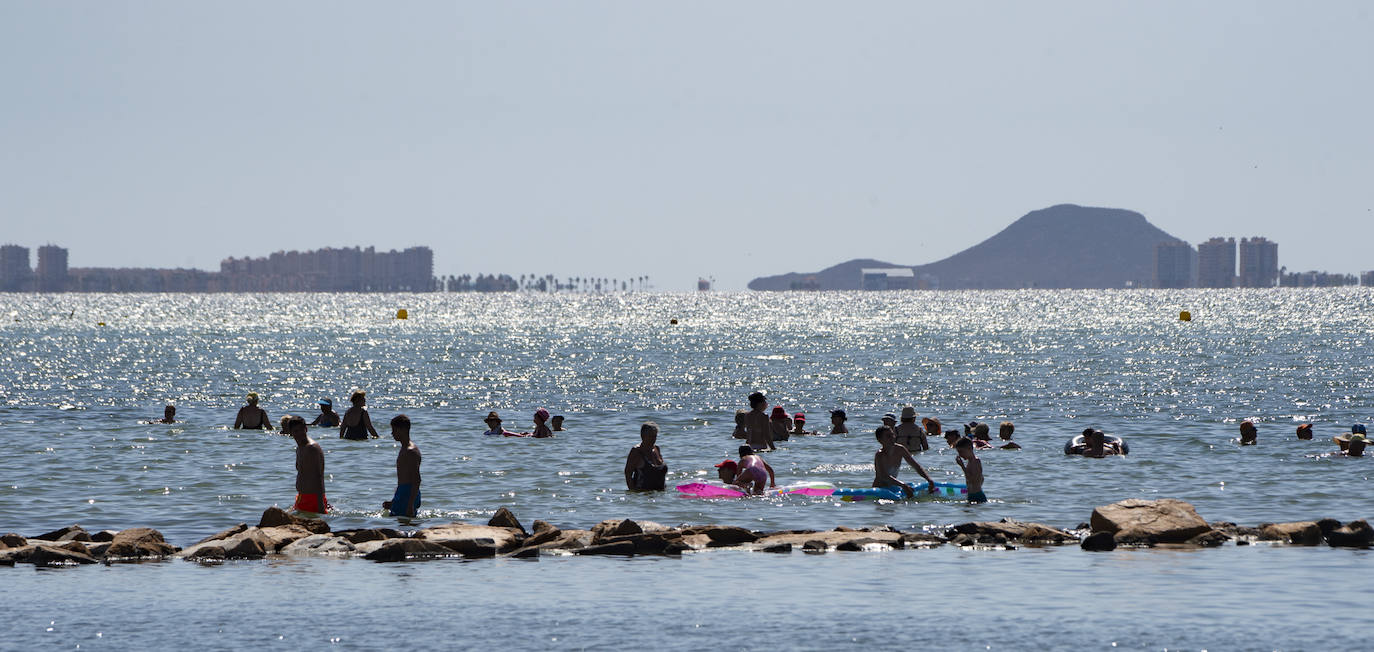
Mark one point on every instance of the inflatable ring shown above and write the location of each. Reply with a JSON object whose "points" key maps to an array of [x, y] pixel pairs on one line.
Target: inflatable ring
{"points": [[1076, 444]]}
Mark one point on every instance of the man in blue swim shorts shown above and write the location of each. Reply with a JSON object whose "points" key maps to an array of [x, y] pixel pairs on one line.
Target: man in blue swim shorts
{"points": [[406, 500]]}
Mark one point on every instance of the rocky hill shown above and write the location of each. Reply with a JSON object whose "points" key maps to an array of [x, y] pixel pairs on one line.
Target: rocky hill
{"points": [[1064, 246]]}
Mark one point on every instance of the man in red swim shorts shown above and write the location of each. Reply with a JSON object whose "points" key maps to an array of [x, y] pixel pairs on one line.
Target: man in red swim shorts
{"points": [[309, 469]]}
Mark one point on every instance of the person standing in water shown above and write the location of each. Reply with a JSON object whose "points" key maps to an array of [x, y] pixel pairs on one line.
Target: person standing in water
{"points": [[645, 469], [327, 418], [541, 425], [887, 463], [169, 415], [557, 422], [973, 470], [356, 423], [837, 419], [406, 500], [757, 424], [252, 417], [909, 434], [309, 470]]}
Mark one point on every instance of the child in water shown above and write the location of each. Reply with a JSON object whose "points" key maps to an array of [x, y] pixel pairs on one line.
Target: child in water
{"points": [[1004, 433], [740, 431], [887, 462], [973, 470], [749, 473]]}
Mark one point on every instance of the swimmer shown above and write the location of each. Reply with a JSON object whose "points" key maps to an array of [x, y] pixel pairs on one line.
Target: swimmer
{"points": [[932, 427], [169, 415], [1354, 446], [1004, 433], [285, 423], [973, 470], [981, 437], [645, 469], [887, 462], [837, 419], [908, 433], [541, 428], [952, 437], [756, 423], [557, 422], [309, 470], [799, 425], [327, 418], [1095, 445], [1249, 435], [740, 431], [356, 423], [252, 417], [779, 424], [749, 473], [406, 500], [968, 428], [1305, 431], [890, 421], [1344, 440], [494, 428]]}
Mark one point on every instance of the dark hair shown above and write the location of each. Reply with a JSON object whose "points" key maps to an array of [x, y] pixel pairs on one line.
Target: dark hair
{"points": [[293, 421], [757, 397], [1087, 431], [746, 450], [878, 434], [964, 442], [400, 420], [951, 432], [648, 427]]}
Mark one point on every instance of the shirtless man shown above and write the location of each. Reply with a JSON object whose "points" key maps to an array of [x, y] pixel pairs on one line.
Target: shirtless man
{"points": [[749, 473], [251, 416], [357, 423], [909, 434], [837, 419], [973, 470], [645, 469], [309, 470], [887, 462], [406, 500], [1249, 435], [169, 415], [756, 423]]}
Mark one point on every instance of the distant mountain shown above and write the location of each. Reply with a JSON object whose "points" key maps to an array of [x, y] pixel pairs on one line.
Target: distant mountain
{"points": [[1064, 246]]}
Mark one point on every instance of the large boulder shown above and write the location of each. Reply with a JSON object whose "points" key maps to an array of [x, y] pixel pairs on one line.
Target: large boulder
{"points": [[1007, 530], [1356, 534], [505, 518], [723, 535], [616, 548], [240, 547], [223, 534], [408, 549], [1149, 521], [1099, 542], [138, 543], [473, 540], [356, 537], [69, 533], [319, 544], [12, 540], [1302, 533], [48, 555], [276, 517]]}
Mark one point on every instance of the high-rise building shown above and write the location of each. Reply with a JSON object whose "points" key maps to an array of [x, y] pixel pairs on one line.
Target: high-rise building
{"points": [[1216, 263], [52, 269], [15, 273], [1174, 264], [1259, 263]]}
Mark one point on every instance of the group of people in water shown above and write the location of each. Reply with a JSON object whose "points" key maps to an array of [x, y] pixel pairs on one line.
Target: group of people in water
{"points": [[1350, 444]]}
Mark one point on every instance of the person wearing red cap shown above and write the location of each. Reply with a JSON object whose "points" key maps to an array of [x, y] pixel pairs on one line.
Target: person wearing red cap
{"points": [[799, 424], [749, 473], [779, 424], [756, 422]]}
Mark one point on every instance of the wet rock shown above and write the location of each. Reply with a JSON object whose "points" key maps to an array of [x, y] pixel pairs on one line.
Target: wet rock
{"points": [[408, 549], [542, 536], [777, 548], [835, 538], [1209, 539], [921, 540], [69, 533], [505, 518], [1001, 532], [644, 544], [222, 535], [139, 543], [360, 536], [814, 546], [12, 540], [1356, 534], [1327, 525], [319, 544], [243, 547], [97, 549], [277, 517], [74, 546], [278, 537], [723, 535], [617, 548], [208, 553], [48, 555], [1301, 533], [694, 541], [541, 526], [1156, 521], [473, 540], [1237, 532], [559, 540], [104, 536], [1099, 542], [526, 552], [863, 544]]}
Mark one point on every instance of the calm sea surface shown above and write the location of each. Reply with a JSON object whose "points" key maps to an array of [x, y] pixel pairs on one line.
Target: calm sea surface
{"points": [[73, 396]]}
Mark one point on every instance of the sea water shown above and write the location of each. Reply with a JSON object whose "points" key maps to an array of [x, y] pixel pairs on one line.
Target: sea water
{"points": [[74, 396]]}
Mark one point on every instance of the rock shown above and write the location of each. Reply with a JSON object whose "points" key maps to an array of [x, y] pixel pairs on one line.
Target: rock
{"points": [[921, 540], [276, 517], [963, 540], [813, 546], [13, 540], [1000, 532], [860, 545], [835, 538], [644, 544], [473, 540], [723, 535], [615, 527], [278, 537], [1302, 533], [777, 548], [74, 546], [139, 543], [1209, 539], [360, 536], [97, 549], [208, 553], [1238, 532], [1327, 525], [242, 547], [542, 536], [408, 549], [694, 541], [1356, 534], [46, 555], [319, 544], [104, 536], [1099, 542], [222, 535], [541, 526], [526, 552], [1159, 521], [505, 518], [617, 548], [69, 533]]}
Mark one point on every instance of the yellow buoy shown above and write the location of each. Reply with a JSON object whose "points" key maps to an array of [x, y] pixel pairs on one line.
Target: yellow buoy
{"points": [[100, 323], [1185, 316], [402, 314]]}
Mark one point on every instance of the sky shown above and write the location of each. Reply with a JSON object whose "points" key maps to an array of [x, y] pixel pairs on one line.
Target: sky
{"points": [[676, 140]]}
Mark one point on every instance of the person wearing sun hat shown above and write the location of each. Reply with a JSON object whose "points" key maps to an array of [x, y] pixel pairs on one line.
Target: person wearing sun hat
{"points": [[908, 433], [494, 428], [1344, 441], [251, 416]]}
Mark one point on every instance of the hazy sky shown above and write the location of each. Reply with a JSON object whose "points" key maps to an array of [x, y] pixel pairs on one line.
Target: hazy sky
{"points": [[676, 139]]}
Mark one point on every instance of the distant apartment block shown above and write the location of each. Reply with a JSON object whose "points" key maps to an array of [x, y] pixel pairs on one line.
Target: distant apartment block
{"points": [[888, 278], [1216, 263], [1174, 265], [333, 270], [15, 274], [1367, 279], [1259, 263], [52, 269], [1317, 280]]}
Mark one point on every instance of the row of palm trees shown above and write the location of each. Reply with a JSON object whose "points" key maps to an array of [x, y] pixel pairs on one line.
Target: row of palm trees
{"points": [[545, 283]]}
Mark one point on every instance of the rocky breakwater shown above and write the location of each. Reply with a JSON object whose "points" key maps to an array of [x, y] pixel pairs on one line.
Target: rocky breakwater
{"points": [[1131, 523]]}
